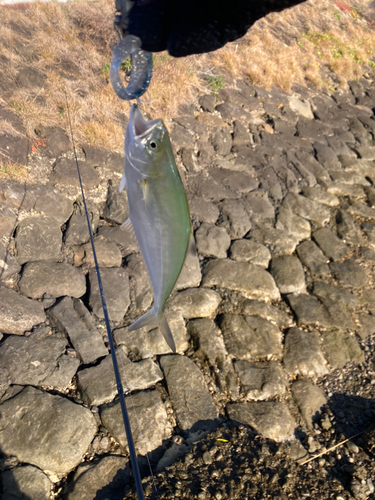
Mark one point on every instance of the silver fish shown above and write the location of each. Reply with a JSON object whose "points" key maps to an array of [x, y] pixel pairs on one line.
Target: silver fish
{"points": [[159, 212]]}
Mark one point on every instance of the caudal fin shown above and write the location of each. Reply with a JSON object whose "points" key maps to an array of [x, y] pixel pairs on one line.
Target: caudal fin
{"points": [[149, 319], [166, 332]]}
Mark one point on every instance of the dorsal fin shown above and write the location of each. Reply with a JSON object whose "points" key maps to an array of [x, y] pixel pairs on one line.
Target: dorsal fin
{"points": [[128, 227]]}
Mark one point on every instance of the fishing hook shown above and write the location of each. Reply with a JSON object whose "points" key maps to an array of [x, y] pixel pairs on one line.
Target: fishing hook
{"points": [[141, 72]]}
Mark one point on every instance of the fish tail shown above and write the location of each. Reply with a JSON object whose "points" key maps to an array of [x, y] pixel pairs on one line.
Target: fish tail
{"points": [[149, 319], [166, 332]]}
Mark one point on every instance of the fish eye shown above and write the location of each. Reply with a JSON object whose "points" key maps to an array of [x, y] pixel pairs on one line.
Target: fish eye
{"points": [[154, 145]]}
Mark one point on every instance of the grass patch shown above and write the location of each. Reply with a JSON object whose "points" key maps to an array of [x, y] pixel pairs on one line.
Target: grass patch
{"points": [[13, 171], [70, 44]]}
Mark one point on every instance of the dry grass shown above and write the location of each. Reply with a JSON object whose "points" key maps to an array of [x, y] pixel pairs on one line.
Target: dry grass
{"points": [[13, 171], [71, 45]]}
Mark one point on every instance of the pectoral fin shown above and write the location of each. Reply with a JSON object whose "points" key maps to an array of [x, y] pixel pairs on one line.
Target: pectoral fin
{"points": [[122, 183], [149, 319], [128, 226]]}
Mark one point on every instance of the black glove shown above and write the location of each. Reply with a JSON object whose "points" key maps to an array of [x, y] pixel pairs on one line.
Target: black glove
{"points": [[185, 27]]}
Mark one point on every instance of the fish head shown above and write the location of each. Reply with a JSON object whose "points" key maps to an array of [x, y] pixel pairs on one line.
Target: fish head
{"points": [[145, 143]]}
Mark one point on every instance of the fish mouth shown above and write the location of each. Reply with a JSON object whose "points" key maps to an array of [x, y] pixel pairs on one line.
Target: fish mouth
{"points": [[139, 127]]}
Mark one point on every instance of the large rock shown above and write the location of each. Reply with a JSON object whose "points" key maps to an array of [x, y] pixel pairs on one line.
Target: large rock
{"points": [[54, 278], [25, 482], [212, 241], [116, 206], [77, 231], [341, 348], [140, 280], [238, 219], [115, 282], [293, 224], [190, 396], [72, 317], [64, 175], [313, 258], [124, 239], [38, 238], [8, 264], [250, 337], [195, 303], [303, 355], [250, 251], [44, 430], [108, 254], [102, 478], [261, 380], [267, 311], [271, 419], [330, 244], [148, 420], [191, 274], [30, 361], [288, 274], [210, 343], [47, 201], [308, 209], [309, 398], [8, 219], [279, 242], [250, 280], [17, 313], [97, 384]]}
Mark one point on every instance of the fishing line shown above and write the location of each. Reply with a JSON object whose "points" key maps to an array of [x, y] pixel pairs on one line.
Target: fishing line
{"points": [[120, 390]]}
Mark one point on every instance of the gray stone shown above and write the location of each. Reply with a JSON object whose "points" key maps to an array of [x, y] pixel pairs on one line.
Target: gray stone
{"points": [[302, 108], [191, 275], [97, 384], [221, 140], [234, 180], [147, 342], [207, 103], [267, 311], [25, 482], [326, 156], [8, 219], [102, 478], [57, 141], [37, 362], [349, 178], [116, 206], [340, 348], [54, 278], [181, 137], [238, 220], [4, 380], [71, 317], [319, 195], [38, 238], [330, 244], [370, 193], [203, 211], [12, 193], [359, 209], [207, 188], [141, 282], [8, 264], [77, 231], [308, 209], [65, 175], [258, 206], [271, 419], [108, 254], [369, 230], [280, 242], [195, 303], [148, 420], [313, 258], [47, 201], [313, 166], [335, 293], [252, 281], [212, 241], [17, 313], [342, 189], [47, 431], [250, 251], [241, 136], [346, 229], [230, 112], [350, 274], [261, 380], [303, 355], [210, 346], [124, 239], [250, 337], [366, 325], [116, 288], [288, 274], [309, 398], [190, 396], [293, 224], [325, 313]]}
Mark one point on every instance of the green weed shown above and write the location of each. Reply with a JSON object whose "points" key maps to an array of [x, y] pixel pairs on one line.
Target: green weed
{"points": [[216, 83]]}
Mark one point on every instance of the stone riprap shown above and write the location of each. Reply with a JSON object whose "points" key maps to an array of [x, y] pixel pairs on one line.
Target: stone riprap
{"points": [[276, 299]]}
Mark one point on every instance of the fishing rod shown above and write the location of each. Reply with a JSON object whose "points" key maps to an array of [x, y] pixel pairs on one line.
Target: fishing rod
{"points": [[120, 390]]}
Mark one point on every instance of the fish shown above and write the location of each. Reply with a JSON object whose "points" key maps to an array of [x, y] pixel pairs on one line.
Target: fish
{"points": [[158, 211]]}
